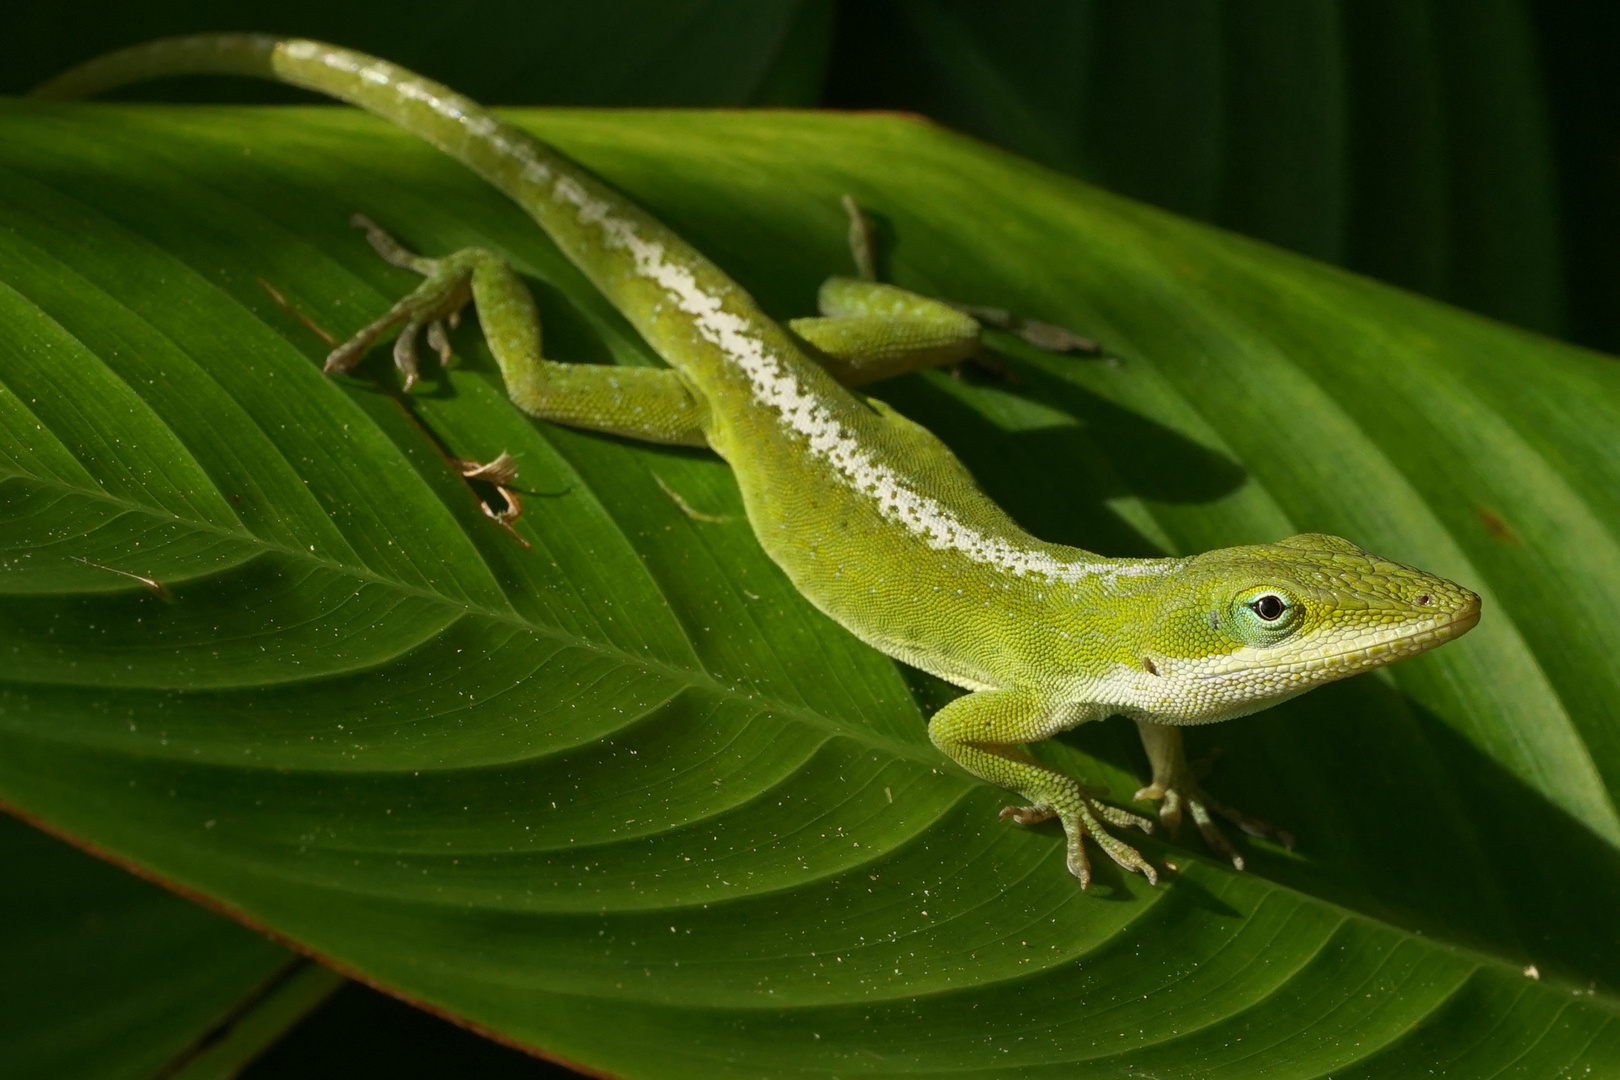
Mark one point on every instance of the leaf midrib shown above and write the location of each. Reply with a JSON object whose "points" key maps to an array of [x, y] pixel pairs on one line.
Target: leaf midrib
{"points": [[698, 679]]}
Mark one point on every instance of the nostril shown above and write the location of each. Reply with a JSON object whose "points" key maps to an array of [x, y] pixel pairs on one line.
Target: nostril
{"points": [[1424, 599]]}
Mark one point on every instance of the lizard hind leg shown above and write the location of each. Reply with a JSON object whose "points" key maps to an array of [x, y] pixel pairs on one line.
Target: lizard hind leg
{"points": [[1044, 335], [869, 331], [442, 296], [651, 403]]}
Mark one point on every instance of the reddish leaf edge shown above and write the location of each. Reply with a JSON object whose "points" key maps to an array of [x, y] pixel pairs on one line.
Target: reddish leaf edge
{"points": [[304, 952]]}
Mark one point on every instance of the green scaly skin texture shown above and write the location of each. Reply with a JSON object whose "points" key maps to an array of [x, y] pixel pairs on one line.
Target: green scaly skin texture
{"points": [[871, 516]]}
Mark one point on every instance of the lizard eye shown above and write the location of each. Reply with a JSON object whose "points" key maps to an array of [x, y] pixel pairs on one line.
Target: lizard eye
{"points": [[1269, 607], [1263, 616]]}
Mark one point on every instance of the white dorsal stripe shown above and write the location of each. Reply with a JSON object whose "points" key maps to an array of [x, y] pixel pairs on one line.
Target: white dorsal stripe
{"points": [[776, 386]]}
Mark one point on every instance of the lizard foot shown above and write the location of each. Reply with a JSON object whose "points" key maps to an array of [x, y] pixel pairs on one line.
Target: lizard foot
{"points": [[1034, 815], [436, 301], [1084, 823], [1181, 790], [1027, 815], [1043, 336]]}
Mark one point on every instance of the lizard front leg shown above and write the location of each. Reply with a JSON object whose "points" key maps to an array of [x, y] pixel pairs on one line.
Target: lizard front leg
{"points": [[869, 331], [1175, 781], [922, 332], [982, 733]]}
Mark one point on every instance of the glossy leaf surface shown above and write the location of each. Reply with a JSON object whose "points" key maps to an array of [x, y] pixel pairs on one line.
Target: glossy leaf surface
{"points": [[619, 794]]}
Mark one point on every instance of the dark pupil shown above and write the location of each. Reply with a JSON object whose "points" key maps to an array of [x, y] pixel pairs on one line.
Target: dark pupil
{"points": [[1269, 608]]}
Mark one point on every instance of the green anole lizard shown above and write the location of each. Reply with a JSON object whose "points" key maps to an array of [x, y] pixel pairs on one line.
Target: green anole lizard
{"points": [[870, 515]]}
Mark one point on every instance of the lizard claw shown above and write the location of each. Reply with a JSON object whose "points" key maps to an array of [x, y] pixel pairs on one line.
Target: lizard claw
{"points": [[1083, 823], [1027, 815], [441, 297], [1079, 865], [405, 353], [439, 340], [1124, 819], [1042, 335]]}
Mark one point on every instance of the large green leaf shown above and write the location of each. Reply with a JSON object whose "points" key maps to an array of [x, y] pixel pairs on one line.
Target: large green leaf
{"points": [[646, 52], [620, 795]]}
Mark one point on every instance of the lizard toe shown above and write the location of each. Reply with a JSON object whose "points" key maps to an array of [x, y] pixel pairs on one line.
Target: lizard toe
{"points": [[1028, 815]]}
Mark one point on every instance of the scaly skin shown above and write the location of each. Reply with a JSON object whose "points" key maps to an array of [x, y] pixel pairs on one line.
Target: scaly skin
{"points": [[871, 516]]}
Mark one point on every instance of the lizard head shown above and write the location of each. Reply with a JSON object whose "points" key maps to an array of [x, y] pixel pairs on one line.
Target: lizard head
{"points": [[1261, 623]]}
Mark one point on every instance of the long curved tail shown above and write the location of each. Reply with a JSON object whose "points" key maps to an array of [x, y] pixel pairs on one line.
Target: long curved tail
{"points": [[518, 164], [455, 124], [637, 263], [199, 54]]}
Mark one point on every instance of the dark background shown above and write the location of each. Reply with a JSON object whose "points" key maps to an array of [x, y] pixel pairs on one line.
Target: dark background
{"points": [[1466, 149]]}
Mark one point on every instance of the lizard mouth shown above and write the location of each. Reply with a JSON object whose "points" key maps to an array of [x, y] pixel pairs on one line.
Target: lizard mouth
{"points": [[1421, 638]]}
